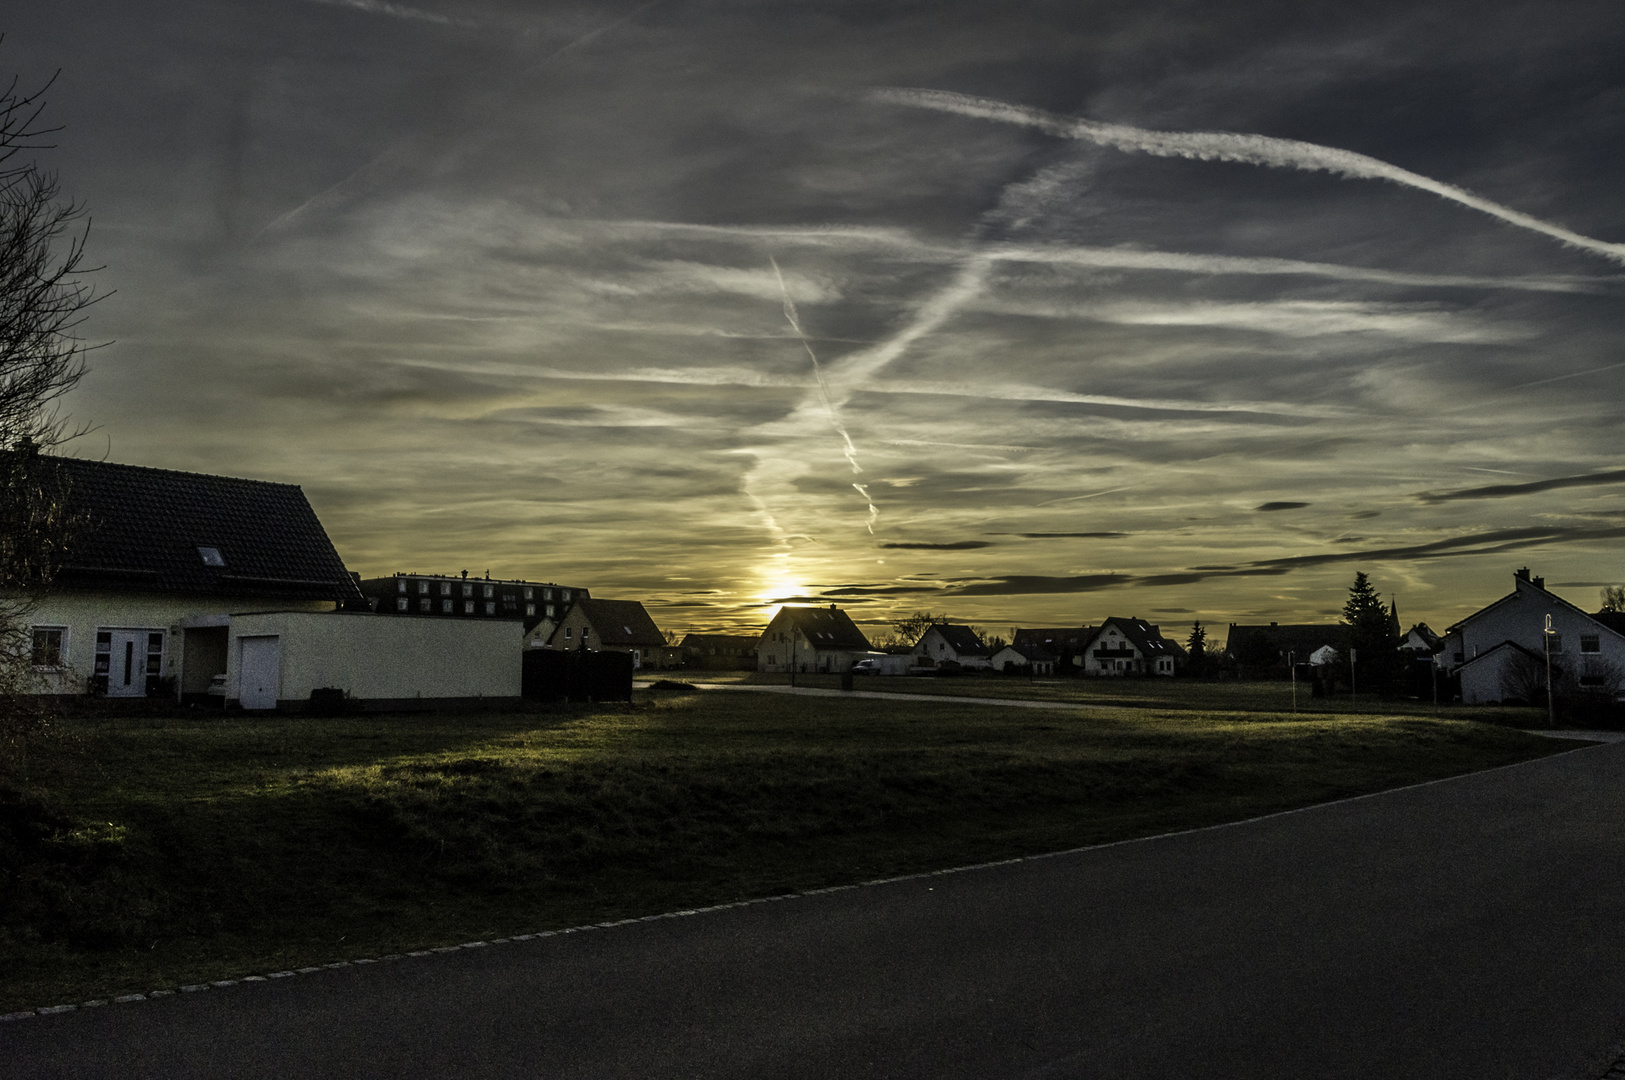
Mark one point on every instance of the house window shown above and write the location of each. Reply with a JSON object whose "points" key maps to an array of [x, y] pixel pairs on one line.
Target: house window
{"points": [[400, 585], [490, 607], [565, 596], [468, 607], [403, 603], [423, 588], [550, 611], [1591, 643], [547, 594], [490, 591], [104, 652], [423, 605], [155, 653], [445, 588], [566, 633], [445, 607], [1554, 643], [48, 646], [530, 609], [210, 556], [530, 594]]}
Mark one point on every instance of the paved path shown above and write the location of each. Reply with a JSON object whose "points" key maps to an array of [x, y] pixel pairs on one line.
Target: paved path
{"points": [[888, 695], [1472, 928]]}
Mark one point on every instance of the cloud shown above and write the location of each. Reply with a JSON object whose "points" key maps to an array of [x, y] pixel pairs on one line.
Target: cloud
{"points": [[397, 11], [1246, 149], [1068, 535], [1502, 491], [956, 545], [1270, 507]]}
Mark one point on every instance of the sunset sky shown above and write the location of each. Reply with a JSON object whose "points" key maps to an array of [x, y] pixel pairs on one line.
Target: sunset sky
{"points": [[1030, 313]]}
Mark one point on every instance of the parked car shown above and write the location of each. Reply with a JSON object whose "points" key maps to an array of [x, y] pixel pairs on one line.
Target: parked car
{"points": [[864, 667]]}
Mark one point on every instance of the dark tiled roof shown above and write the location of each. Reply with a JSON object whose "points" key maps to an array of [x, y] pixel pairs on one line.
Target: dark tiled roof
{"points": [[1614, 620], [1031, 653], [621, 622], [827, 628], [143, 528], [1145, 637], [1062, 640], [1299, 638], [961, 639], [726, 642]]}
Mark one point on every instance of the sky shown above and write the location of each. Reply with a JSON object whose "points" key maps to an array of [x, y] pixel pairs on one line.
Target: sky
{"points": [[1029, 313]]}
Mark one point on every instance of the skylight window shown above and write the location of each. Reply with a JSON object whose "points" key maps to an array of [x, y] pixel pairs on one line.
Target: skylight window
{"points": [[211, 556]]}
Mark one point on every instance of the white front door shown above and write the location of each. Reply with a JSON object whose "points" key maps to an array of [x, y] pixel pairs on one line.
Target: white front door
{"points": [[260, 672], [127, 657]]}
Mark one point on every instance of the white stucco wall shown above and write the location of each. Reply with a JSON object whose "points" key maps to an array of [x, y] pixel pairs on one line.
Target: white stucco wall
{"points": [[382, 657], [81, 613], [1521, 618]]}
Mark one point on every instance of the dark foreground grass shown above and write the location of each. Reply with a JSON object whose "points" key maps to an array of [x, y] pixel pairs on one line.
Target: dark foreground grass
{"points": [[156, 852]]}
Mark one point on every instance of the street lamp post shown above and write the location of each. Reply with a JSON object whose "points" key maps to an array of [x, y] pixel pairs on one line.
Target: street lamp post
{"points": [[1546, 640], [1292, 662], [792, 654], [1353, 682]]}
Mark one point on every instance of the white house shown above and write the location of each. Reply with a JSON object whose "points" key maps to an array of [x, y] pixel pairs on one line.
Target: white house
{"points": [[811, 639], [157, 548], [1493, 648], [945, 642], [1129, 647], [1025, 659]]}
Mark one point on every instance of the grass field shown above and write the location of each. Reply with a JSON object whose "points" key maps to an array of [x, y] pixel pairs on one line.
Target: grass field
{"points": [[153, 852]]}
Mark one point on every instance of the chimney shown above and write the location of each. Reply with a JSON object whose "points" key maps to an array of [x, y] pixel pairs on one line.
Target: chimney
{"points": [[1522, 573], [832, 607], [1540, 583]]}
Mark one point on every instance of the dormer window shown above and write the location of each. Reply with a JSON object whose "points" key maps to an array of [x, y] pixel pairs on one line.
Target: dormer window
{"points": [[211, 556]]}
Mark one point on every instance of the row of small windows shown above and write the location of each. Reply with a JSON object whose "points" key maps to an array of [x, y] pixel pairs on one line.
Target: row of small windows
{"points": [[488, 591], [50, 650], [470, 607]]}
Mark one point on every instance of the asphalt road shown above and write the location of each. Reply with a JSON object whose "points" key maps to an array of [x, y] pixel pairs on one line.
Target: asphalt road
{"points": [[1473, 928]]}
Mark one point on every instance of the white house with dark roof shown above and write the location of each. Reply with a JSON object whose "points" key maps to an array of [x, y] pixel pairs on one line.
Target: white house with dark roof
{"points": [[1129, 647], [949, 643], [215, 588], [1486, 648], [1024, 659], [156, 548], [595, 625], [811, 639]]}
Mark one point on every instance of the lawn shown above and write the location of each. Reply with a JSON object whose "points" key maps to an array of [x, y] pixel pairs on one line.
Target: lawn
{"points": [[154, 852]]}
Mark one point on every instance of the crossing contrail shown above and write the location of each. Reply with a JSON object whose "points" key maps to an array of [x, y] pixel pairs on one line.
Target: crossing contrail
{"points": [[1247, 149], [850, 451]]}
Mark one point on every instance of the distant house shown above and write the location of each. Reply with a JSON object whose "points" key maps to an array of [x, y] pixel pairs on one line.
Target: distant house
{"points": [[1066, 643], [810, 639], [160, 562], [1492, 649], [948, 643], [1130, 647], [1300, 643], [594, 625], [1420, 640], [460, 596], [720, 652], [1024, 659]]}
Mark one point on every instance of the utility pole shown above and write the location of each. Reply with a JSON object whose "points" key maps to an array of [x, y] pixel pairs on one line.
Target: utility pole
{"points": [[1292, 662], [792, 652], [1353, 680]]}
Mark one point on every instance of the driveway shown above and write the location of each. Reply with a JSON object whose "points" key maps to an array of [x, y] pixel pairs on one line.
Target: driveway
{"points": [[1471, 928]]}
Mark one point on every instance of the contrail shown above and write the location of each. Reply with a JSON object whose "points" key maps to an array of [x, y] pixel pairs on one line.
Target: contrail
{"points": [[398, 11], [823, 391], [402, 153], [1247, 149]]}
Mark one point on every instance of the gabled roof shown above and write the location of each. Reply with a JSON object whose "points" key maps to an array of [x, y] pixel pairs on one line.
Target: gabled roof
{"points": [[1486, 653], [826, 627], [1614, 620], [158, 529], [1144, 636], [1058, 639], [1300, 638], [620, 622], [747, 642], [961, 639], [1521, 584]]}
